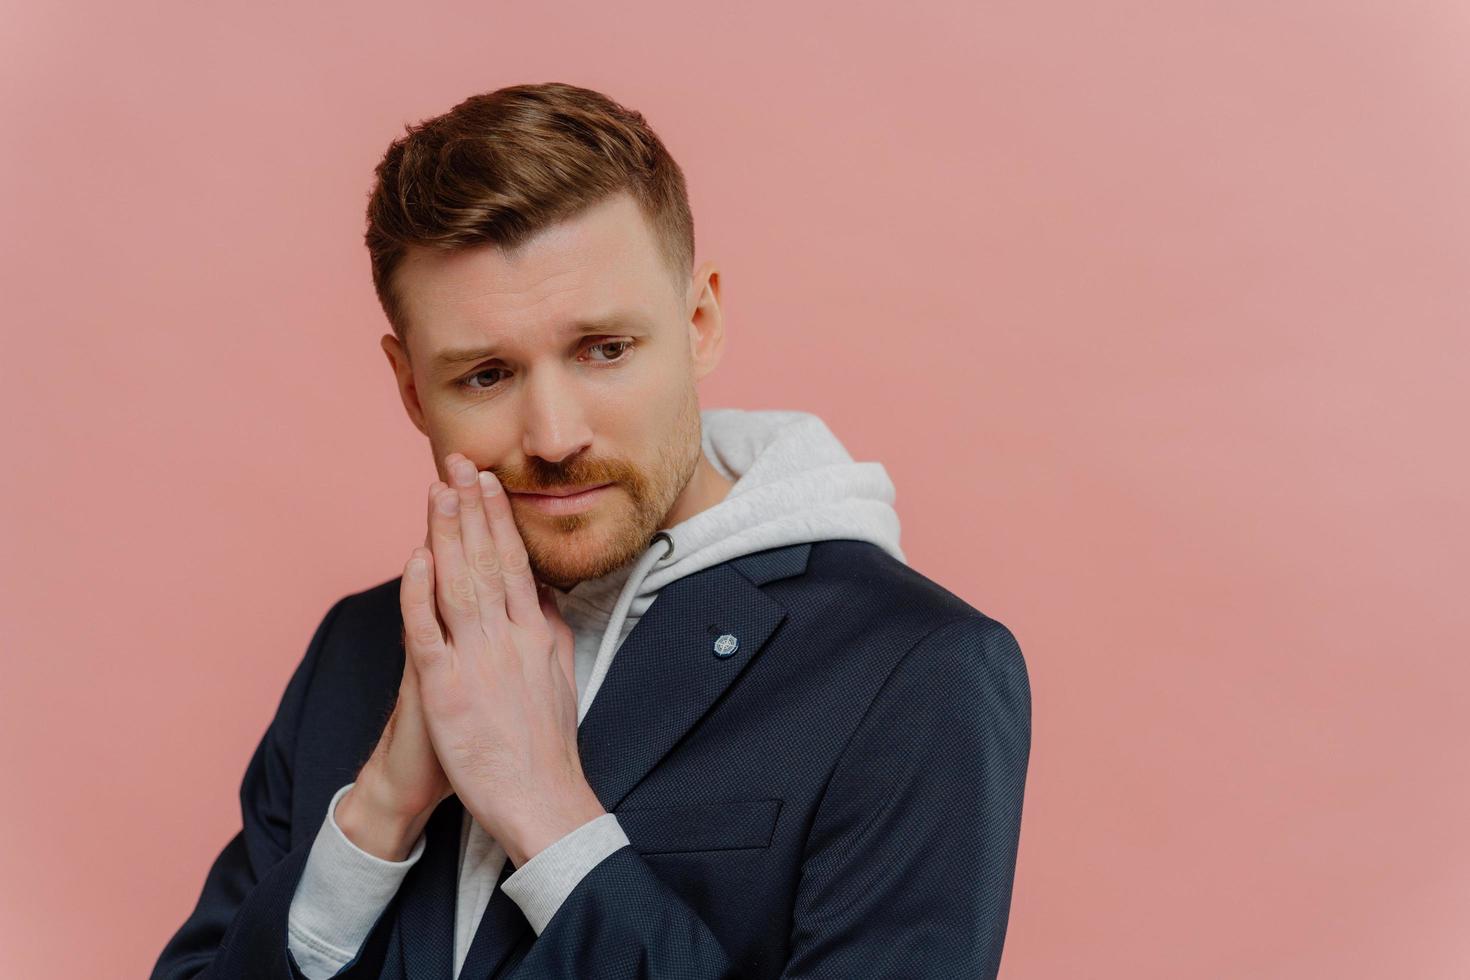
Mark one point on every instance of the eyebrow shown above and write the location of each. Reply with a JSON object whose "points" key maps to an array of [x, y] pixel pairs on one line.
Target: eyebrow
{"points": [[454, 356]]}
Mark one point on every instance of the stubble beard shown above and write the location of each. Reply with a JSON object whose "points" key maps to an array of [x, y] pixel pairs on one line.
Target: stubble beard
{"points": [[567, 549]]}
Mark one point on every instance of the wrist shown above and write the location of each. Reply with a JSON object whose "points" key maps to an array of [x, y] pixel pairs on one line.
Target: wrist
{"points": [[373, 825], [527, 841]]}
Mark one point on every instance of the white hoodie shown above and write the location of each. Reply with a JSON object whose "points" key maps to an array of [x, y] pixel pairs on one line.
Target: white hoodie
{"points": [[794, 483]]}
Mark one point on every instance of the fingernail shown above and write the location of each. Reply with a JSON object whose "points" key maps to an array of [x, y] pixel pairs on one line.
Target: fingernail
{"points": [[463, 472], [448, 503], [417, 568], [489, 486]]}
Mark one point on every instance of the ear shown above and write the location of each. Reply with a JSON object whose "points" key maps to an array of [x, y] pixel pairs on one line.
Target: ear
{"points": [[706, 324], [403, 377]]}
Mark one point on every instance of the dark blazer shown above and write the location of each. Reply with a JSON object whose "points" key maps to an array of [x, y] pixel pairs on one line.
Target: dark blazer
{"points": [[838, 798]]}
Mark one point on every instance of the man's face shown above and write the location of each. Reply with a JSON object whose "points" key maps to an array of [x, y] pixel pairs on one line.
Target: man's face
{"points": [[571, 362]]}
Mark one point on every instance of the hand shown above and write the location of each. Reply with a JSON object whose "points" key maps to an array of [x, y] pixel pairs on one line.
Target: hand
{"points": [[402, 782], [496, 680]]}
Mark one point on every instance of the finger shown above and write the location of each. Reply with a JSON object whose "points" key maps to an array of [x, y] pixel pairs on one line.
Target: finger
{"points": [[479, 546], [434, 488], [410, 706], [410, 665], [424, 643], [429, 544], [519, 585], [454, 588], [410, 681]]}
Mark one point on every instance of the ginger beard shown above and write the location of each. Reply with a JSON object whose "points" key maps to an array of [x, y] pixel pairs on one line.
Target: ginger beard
{"points": [[565, 549]]}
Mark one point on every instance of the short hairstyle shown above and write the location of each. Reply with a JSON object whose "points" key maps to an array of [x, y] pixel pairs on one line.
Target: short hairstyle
{"points": [[500, 166]]}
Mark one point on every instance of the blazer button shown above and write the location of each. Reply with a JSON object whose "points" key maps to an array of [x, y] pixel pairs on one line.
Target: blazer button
{"points": [[725, 645]]}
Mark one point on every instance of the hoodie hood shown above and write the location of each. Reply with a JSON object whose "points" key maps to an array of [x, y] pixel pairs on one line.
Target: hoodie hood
{"points": [[794, 482]]}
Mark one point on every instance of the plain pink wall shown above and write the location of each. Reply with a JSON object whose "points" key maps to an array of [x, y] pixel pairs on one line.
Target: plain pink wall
{"points": [[1156, 313]]}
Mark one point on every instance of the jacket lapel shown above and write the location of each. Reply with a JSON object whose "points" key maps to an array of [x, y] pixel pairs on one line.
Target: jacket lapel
{"points": [[666, 676]]}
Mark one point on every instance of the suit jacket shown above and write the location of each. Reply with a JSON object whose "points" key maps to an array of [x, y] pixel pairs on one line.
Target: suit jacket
{"points": [[840, 797]]}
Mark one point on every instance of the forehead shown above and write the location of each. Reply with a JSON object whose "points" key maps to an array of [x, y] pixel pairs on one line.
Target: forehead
{"points": [[602, 261]]}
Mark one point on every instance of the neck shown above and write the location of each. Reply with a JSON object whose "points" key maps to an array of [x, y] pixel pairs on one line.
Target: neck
{"points": [[707, 487]]}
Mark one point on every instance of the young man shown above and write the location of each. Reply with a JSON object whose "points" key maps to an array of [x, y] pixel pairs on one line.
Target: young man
{"points": [[662, 697]]}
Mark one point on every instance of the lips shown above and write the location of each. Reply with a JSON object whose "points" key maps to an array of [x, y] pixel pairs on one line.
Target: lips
{"points": [[564, 501], [561, 491]]}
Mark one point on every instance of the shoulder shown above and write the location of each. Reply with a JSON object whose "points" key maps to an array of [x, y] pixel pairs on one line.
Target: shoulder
{"points": [[869, 578], [373, 608], [866, 568], [361, 641], [858, 598]]}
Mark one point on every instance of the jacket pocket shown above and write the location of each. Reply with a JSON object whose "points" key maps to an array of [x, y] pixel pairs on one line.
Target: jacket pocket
{"points": [[700, 826]]}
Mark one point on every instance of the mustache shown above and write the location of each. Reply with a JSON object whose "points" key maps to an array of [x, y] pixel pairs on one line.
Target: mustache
{"points": [[541, 477]]}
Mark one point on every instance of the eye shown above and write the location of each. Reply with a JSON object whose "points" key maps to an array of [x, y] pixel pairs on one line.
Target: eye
{"points": [[465, 382], [622, 348]]}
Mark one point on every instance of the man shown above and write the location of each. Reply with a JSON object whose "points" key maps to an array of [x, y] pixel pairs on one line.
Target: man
{"points": [[659, 695]]}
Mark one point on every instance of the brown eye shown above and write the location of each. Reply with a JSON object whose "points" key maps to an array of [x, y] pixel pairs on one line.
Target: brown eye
{"points": [[622, 345], [473, 387]]}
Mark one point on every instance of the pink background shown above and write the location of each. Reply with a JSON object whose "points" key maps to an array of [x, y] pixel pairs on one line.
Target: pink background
{"points": [[1156, 313]]}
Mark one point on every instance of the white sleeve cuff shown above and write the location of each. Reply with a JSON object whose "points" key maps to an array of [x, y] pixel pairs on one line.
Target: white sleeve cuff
{"points": [[343, 890], [541, 884]]}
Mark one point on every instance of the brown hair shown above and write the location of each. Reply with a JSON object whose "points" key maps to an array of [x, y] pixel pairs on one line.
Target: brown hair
{"points": [[502, 165]]}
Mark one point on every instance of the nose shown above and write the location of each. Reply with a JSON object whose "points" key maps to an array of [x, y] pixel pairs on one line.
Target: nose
{"points": [[555, 425]]}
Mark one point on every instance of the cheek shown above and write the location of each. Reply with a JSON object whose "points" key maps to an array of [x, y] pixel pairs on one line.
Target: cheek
{"points": [[665, 386], [470, 433], [637, 402], [642, 422]]}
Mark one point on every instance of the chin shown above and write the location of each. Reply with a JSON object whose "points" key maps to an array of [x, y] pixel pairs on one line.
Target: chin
{"points": [[568, 556]]}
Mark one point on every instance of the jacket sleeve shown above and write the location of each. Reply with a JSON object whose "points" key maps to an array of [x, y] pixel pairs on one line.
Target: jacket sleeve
{"points": [[910, 860], [238, 928]]}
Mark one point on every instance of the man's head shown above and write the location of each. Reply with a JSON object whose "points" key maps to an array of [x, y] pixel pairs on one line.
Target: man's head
{"points": [[532, 250]]}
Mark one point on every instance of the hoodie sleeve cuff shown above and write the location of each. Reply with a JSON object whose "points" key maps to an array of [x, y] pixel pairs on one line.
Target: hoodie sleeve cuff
{"points": [[342, 892], [541, 884]]}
